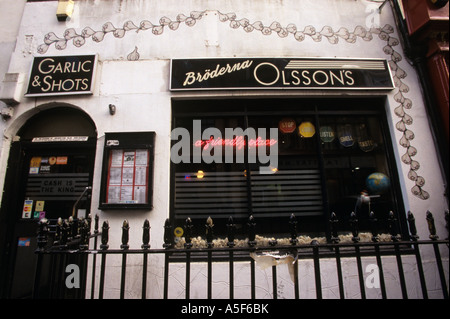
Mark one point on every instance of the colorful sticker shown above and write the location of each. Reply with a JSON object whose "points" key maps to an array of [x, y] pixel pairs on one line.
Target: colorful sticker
{"points": [[178, 232], [35, 162], [39, 205], [306, 129], [345, 135], [365, 142], [61, 160], [27, 208], [327, 134], [287, 126], [24, 242]]}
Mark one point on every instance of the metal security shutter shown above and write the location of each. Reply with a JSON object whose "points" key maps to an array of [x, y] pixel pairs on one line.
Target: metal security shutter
{"points": [[221, 194], [286, 192]]}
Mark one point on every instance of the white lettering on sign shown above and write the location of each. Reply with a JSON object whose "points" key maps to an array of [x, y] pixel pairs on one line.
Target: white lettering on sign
{"points": [[305, 77], [61, 75], [191, 77], [47, 66]]}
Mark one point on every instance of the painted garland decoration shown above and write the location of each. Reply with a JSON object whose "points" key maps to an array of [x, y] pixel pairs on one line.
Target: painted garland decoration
{"points": [[327, 32]]}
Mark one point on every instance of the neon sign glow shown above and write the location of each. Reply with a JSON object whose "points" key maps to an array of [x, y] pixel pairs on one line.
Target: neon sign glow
{"points": [[238, 142]]}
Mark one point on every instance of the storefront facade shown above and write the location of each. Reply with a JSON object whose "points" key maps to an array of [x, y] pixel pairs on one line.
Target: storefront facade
{"points": [[100, 98]]}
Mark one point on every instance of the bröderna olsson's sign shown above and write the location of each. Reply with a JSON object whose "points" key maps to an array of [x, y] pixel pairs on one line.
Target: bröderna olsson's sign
{"points": [[279, 73], [62, 75]]}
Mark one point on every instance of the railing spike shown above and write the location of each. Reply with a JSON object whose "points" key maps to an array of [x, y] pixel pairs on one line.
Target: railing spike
{"points": [[58, 231], [334, 230], [71, 229], [392, 222], [84, 234], [293, 229], [65, 232], [231, 228], [146, 235], [374, 226], [354, 226], [188, 233], [105, 235], [251, 231], [42, 237], [431, 226], [96, 220], [209, 232], [125, 234], [168, 234], [412, 226]]}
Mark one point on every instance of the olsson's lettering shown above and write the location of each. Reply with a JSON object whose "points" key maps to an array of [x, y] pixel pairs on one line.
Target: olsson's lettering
{"points": [[191, 77], [304, 77]]}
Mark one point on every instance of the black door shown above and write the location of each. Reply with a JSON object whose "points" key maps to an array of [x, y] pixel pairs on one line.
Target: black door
{"points": [[53, 178]]}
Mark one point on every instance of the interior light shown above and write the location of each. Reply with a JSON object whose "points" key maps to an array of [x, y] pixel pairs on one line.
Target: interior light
{"points": [[200, 174]]}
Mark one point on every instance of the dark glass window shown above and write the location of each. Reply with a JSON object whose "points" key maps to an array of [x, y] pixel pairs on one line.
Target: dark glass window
{"points": [[334, 155]]}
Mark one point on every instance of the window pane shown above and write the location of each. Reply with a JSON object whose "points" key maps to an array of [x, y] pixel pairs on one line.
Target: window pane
{"points": [[295, 184], [356, 167], [214, 182]]}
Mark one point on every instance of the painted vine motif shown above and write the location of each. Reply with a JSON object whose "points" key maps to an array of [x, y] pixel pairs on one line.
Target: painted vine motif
{"points": [[327, 32]]}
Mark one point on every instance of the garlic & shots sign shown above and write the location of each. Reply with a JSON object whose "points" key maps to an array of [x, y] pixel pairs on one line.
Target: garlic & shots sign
{"points": [[61, 75]]}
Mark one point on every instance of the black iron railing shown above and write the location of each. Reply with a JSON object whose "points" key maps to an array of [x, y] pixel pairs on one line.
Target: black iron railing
{"points": [[71, 242]]}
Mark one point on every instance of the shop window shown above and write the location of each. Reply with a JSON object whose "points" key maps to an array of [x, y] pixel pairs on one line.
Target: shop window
{"points": [[333, 156]]}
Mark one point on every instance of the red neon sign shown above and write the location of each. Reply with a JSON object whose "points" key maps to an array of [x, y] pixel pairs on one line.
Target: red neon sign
{"points": [[238, 142]]}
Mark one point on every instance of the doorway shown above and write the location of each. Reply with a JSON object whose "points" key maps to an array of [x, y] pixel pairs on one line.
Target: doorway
{"points": [[50, 167]]}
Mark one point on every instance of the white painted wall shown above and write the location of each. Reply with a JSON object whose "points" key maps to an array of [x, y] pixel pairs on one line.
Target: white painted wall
{"points": [[139, 89]]}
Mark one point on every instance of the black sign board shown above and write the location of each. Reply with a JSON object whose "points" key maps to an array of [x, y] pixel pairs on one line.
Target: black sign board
{"points": [[279, 73], [61, 75]]}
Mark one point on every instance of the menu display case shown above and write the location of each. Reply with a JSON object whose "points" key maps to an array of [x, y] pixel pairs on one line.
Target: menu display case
{"points": [[127, 174]]}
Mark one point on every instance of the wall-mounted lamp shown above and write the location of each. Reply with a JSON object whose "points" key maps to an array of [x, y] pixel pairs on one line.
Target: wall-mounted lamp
{"points": [[64, 10], [112, 109], [7, 113]]}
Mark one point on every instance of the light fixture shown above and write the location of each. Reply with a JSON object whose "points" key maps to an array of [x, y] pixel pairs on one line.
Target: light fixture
{"points": [[7, 112], [64, 10], [200, 174], [112, 109]]}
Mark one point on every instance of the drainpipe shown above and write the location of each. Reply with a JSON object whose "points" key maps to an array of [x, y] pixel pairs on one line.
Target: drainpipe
{"points": [[416, 53]]}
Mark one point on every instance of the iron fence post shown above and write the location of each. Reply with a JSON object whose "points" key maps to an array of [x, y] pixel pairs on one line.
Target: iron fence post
{"points": [[437, 253], [42, 240], [414, 238], [145, 246]]}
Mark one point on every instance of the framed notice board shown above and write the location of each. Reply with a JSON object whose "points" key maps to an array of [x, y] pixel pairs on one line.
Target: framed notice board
{"points": [[127, 173]]}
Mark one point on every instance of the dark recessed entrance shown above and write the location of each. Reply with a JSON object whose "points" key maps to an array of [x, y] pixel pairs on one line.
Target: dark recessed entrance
{"points": [[49, 168]]}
